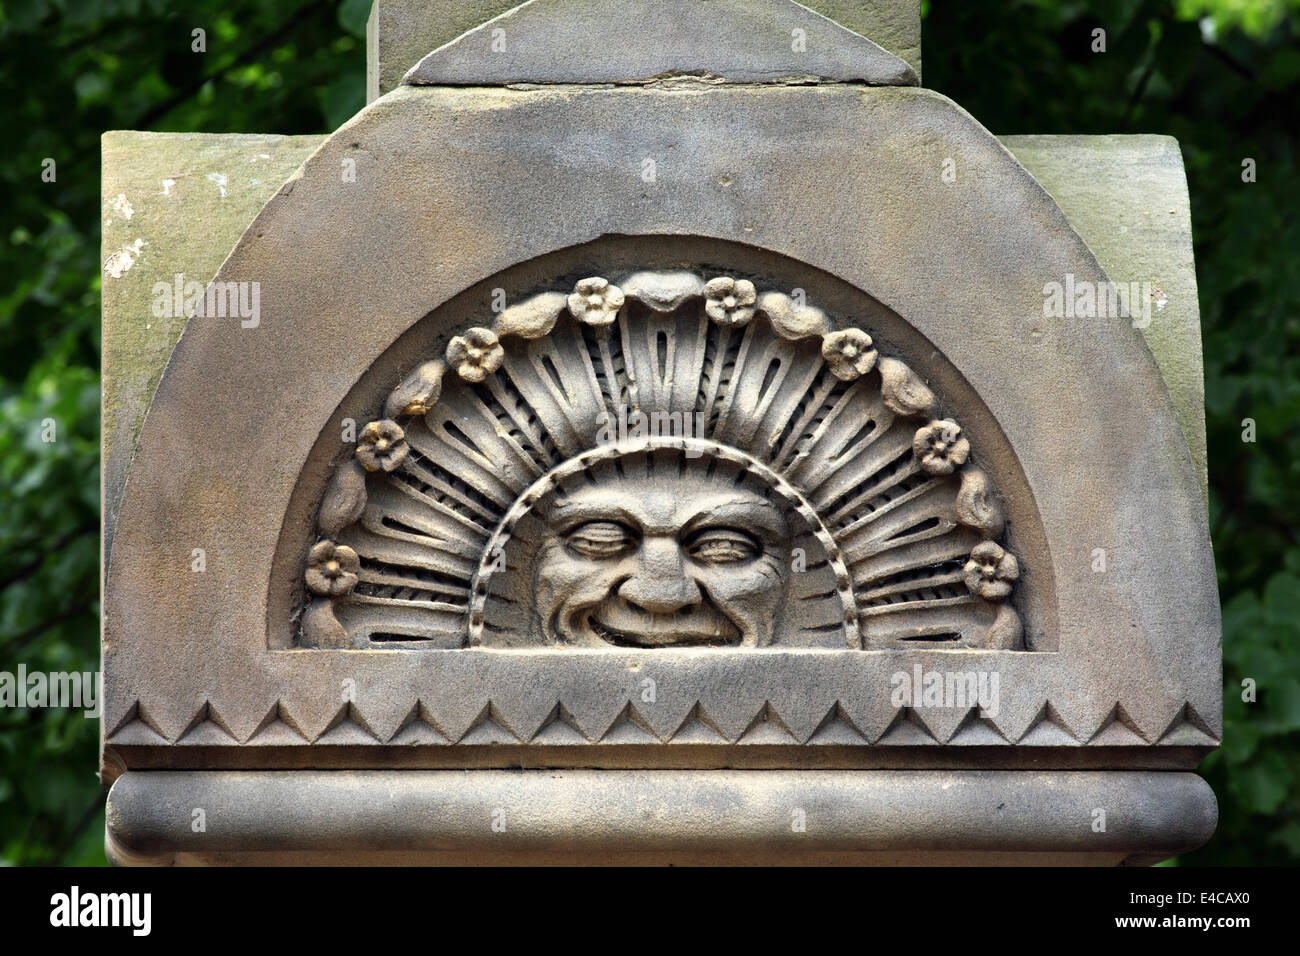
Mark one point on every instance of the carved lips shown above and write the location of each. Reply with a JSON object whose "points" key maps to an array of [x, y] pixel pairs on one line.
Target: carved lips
{"points": [[618, 622]]}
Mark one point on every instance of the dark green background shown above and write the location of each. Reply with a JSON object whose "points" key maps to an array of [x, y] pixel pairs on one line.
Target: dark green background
{"points": [[1220, 75]]}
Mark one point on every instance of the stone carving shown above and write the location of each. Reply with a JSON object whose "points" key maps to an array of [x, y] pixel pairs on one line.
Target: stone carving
{"points": [[990, 571], [729, 301], [940, 448], [849, 353], [332, 569], [596, 302], [382, 446], [476, 355], [650, 564], [651, 464]]}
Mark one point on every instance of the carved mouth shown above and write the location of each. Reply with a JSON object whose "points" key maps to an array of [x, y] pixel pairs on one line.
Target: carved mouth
{"points": [[614, 622]]}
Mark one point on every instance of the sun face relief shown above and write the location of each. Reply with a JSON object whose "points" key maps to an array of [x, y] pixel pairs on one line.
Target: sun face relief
{"points": [[807, 490], [694, 563]]}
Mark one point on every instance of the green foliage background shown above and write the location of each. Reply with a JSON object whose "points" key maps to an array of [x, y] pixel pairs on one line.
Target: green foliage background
{"points": [[1223, 76]]}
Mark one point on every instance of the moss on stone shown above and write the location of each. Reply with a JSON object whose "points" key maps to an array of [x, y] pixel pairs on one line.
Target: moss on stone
{"points": [[172, 203], [1127, 198]]}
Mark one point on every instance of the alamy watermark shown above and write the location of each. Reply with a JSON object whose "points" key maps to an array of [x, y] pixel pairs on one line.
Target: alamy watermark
{"points": [[1084, 299], [219, 300], [64, 689], [133, 911], [963, 689], [634, 425]]}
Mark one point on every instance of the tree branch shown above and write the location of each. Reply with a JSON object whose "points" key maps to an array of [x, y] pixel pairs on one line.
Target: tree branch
{"points": [[27, 570], [160, 110], [90, 813], [19, 641]]}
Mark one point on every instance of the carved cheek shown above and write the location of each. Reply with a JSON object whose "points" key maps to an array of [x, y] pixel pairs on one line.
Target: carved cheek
{"points": [[749, 595], [567, 585]]}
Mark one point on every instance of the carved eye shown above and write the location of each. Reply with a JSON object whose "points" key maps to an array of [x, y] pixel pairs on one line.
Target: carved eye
{"points": [[722, 546], [601, 540]]}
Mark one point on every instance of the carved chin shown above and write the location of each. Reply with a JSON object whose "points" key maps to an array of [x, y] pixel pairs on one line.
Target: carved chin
{"points": [[613, 621]]}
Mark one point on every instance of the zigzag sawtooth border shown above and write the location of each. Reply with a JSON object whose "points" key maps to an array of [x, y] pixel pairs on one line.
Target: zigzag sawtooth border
{"points": [[906, 727]]}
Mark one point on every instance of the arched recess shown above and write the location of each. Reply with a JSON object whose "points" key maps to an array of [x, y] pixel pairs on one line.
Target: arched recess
{"points": [[434, 528]]}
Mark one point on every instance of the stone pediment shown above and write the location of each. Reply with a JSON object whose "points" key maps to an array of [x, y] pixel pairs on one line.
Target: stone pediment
{"points": [[629, 41], [913, 261]]}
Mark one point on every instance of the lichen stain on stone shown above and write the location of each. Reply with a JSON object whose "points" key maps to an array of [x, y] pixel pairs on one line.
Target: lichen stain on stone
{"points": [[121, 261], [121, 206]]}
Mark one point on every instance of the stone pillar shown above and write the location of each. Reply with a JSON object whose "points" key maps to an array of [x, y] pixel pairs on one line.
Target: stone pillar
{"points": [[703, 416]]}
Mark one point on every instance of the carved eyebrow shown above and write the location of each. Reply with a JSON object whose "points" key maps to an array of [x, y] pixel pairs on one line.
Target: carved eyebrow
{"points": [[567, 514], [744, 514]]}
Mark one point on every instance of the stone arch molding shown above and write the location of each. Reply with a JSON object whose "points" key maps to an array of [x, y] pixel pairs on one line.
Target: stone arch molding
{"points": [[665, 460]]}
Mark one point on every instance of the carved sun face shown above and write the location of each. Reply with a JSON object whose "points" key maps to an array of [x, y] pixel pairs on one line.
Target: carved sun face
{"points": [[663, 564], [498, 508]]}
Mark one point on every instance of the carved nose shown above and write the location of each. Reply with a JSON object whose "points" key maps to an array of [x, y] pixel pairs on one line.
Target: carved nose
{"points": [[659, 585]]}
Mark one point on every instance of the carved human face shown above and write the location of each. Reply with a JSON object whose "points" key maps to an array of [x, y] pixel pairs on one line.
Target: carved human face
{"points": [[663, 563]]}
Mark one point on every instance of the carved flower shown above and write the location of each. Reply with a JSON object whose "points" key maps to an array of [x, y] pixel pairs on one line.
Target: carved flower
{"points": [[381, 446], [476, 354], [332, 569], [849, 353], [595, 301], [940, 447], [990, 571], [730, 301]]}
